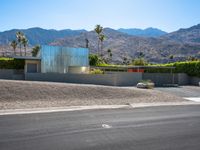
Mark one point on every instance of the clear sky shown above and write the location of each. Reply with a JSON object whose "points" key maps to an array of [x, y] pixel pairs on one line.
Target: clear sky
{"points": [[168, 15]]}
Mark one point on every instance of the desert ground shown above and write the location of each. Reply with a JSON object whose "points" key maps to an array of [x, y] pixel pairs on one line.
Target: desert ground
{"points": [[32, 94]]}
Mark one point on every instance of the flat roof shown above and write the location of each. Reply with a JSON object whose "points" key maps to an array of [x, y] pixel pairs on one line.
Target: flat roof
{"points": [[27, 57]]}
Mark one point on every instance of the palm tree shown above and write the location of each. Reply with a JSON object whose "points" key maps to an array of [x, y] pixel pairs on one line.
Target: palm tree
{"points": [[86, 43], [24, 43], [13, 44], [109, 54], [98, 29], [19, 36], [35, 50], [102, 38]]}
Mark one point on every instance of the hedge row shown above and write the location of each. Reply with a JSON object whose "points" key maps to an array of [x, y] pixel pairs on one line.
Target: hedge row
{"points": [[192, 68], [10, 63]]}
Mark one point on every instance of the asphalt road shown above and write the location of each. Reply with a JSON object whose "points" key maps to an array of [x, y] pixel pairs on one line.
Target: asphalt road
{"points": [[155, 128]]}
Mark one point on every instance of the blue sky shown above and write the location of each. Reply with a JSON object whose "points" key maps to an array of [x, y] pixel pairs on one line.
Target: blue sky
{"points": [[168, 15]]}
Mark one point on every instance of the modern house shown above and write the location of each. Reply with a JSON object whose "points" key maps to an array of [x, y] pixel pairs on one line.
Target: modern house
{"points": [[57, 59]]}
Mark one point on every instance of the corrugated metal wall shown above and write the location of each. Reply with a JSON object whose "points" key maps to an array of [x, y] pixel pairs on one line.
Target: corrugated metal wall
{"points": [[58, 59]]}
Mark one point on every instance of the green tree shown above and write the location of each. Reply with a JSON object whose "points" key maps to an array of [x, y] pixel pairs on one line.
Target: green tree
{"points": [[109, 54], [139, 62], [19, 36], [98, 29], [35, 50], [141, 55], [25, 43], [171, 57], [95, 60], [86, 43], [192, 58], [13, 44], [126, 61]]}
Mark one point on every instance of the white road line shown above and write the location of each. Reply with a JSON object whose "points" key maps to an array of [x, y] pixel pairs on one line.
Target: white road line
{"points": [[106, 126], [194, 99]]}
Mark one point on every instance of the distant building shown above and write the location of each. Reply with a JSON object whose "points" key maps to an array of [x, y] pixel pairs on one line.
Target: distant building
{"points": [[57, 59]]}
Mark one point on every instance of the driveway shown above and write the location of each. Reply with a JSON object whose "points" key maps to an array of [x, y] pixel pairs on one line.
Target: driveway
{"points": [[188, 92]]}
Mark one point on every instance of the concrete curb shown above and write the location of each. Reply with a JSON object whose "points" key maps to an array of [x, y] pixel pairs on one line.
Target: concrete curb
{"points": [[79, 108], [139, 105], [59, 109]]}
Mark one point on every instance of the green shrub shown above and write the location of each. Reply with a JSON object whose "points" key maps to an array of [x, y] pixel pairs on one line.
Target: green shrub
{"points": [[139, 62], [96, 71], [146, 81], [95, 60], [192, 68], [10, 63]]}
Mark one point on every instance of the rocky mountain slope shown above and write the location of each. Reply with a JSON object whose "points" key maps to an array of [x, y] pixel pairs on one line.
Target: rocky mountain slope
{"points": [[156, 50], [38, 35], [189, 35], [181, 44], [149, 32]]}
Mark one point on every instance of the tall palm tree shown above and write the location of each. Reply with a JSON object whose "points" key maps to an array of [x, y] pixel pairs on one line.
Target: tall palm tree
{"points": [[98, 29], [109, 55], [25, 43], [13, 44], [35, 50], [102, 38], [86, 43], [19, 36]]}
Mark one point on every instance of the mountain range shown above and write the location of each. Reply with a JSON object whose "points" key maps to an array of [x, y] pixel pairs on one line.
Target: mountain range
{"points": [[38, 35], [156, 45], [148, 32]]}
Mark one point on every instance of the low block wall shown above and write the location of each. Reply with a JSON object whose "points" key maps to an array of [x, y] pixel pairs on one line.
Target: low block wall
{"points": [[122, 79], [183, 79], [6, 73], [11, 74], [161, 79], [115, 79], [194, 81]]}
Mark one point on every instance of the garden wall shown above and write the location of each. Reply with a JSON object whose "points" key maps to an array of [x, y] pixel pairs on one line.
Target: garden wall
{"points": [[11, 74], [161, 79], [115, 79]]}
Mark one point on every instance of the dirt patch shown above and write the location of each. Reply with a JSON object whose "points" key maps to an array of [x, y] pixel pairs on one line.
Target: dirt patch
{"points": [[29, 94]]}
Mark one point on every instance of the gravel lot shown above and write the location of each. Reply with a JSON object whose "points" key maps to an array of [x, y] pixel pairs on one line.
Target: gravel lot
{"points": [[31, 94]]}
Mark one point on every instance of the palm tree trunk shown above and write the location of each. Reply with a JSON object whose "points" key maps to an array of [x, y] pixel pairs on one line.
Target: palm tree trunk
{"points": [[101, 49], [98, 48], [20, 49], [25, 50]]}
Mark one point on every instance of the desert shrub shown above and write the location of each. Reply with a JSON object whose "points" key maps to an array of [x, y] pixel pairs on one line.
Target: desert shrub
{"points": [[146, 81], [139, 62], [147, 84], [96, 71]]}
